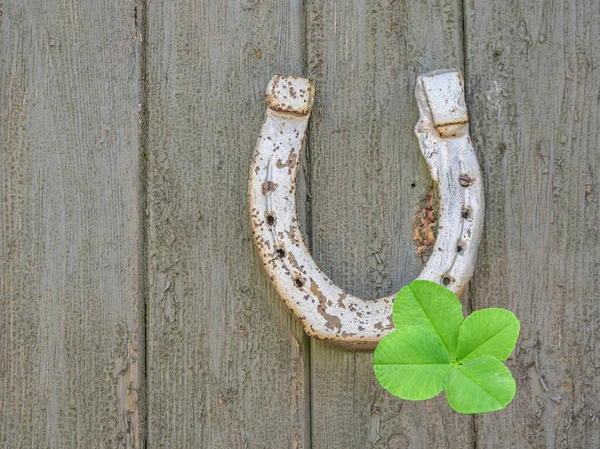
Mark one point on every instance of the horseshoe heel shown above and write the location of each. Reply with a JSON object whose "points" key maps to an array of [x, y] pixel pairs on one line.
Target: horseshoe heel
{"points": [[326, 311]]}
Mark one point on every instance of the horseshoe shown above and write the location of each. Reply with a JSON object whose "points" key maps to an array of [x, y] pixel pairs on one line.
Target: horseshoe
{"points": [[326, 311]]}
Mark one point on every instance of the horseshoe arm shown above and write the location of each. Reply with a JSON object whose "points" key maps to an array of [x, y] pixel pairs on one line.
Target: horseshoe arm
{"points": [[326, 311], [443, 134]]}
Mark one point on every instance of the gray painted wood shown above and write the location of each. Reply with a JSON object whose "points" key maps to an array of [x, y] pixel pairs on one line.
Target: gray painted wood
{"points": [[71, 338], [533, 92], [367, 180], [227, 363]]}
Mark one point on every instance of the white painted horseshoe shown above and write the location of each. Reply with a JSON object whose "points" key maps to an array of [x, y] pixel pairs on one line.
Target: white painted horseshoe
{"points": [[326, 311]]}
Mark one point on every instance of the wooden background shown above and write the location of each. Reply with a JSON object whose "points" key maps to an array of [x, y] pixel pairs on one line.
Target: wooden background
{"points": [[134, 312]]}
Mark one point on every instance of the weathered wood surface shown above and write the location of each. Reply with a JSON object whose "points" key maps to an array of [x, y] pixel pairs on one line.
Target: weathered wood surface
{"points": [[71, 327], [227, 364], [533, 85], [92, 235], [367, 178]]}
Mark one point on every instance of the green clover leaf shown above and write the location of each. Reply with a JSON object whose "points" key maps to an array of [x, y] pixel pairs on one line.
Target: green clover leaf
{"points": [[430, 306], [492, 332], [411, 363], [481, 385], [433, 348]]}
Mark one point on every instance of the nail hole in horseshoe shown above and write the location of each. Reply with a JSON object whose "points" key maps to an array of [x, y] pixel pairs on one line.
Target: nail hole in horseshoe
{"points": [[446, 281], [298, 281], [270, 219], [466, 213], [465, 180], [460, 247], [280, 252]]}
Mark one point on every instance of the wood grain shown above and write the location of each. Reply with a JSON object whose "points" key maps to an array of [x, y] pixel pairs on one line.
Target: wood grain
{"points": [[227, 363], [533, 82], [71, 338], [367, 180], [122, 118]]}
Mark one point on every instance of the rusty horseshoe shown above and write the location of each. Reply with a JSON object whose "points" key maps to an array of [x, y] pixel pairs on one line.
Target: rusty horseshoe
{"points": [[326, 311]]}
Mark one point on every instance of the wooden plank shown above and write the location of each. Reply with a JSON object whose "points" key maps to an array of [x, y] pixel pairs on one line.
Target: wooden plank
{"points": [[70, 226], [367, 179], [532, 81], [227, 363]]}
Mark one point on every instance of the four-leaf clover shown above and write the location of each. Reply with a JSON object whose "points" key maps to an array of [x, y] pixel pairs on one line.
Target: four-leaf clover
{"points": [[433, 348]]}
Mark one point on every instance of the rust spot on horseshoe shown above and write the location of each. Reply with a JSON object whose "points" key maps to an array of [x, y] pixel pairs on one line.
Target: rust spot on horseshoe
{"points": [[290, 163], [424, 226], [341, 298], [268, 186], [331, 321]]}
